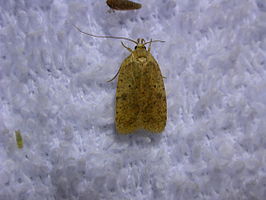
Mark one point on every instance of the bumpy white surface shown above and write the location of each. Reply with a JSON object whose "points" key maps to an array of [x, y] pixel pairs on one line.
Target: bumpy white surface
{"points": [[53, 88]]}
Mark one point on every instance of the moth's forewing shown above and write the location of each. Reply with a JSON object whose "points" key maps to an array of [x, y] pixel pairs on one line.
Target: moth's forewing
{"points": [[140, 95]]}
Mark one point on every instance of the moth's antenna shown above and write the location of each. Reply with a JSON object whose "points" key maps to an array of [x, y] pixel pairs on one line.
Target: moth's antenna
{"points": [[106, 36], [153, 41]]}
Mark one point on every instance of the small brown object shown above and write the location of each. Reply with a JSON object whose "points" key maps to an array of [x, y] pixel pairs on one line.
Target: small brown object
{"points": [[123, 4]]}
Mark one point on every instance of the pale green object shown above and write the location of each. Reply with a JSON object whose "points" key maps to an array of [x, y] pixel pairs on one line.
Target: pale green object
{"points": [[19, 139]]}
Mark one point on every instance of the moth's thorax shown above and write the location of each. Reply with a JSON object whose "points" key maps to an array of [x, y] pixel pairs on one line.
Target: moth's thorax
{"points": [[141, 55]]}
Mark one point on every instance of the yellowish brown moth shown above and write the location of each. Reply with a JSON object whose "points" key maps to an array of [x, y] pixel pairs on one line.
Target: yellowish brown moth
{"points": [[140, 94], [19, 139], [123, 4]]}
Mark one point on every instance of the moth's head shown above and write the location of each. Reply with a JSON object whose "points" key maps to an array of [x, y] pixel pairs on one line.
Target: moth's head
{"points": [[140, 44]]}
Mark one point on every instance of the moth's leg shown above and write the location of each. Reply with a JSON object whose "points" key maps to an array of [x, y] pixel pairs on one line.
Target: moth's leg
{"points": [[114, 76], [130, 50], [149, 48]]}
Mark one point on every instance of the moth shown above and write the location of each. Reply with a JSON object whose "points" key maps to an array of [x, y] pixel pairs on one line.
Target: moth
{"points": [[140, 94], [123, 4], [19, 139]]}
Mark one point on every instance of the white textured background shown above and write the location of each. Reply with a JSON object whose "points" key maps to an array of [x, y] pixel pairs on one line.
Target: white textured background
{"points": [[53, 88]]}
